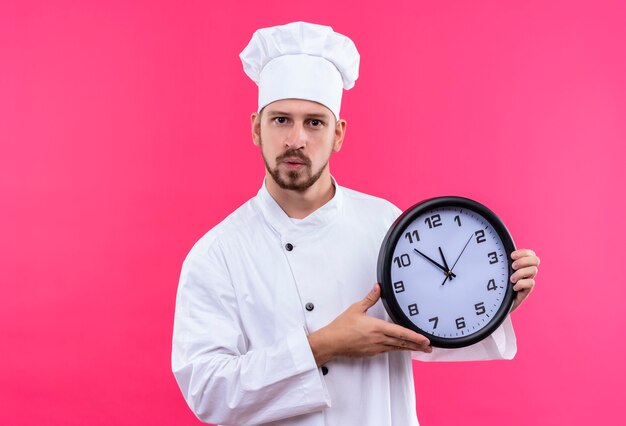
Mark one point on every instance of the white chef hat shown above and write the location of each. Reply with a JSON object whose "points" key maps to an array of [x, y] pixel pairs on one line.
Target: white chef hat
{"points": [[301, 61]]}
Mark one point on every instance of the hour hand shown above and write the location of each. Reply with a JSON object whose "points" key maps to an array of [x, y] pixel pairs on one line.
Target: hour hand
{"points": [[449, 273], [445, 270]]}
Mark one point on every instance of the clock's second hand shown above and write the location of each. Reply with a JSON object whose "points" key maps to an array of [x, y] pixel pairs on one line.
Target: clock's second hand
{"points": [[457, 259]]}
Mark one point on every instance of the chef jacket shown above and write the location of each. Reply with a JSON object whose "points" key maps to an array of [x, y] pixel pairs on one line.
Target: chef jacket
{"points": [[257, 284]]}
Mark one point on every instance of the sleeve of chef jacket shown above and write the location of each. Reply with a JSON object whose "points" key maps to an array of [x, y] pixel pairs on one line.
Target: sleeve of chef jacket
{"points": [[500, 345], [221, 379]]}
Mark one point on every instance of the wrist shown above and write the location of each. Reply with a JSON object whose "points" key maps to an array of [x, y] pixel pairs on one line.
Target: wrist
{"points": [[321, 346]]}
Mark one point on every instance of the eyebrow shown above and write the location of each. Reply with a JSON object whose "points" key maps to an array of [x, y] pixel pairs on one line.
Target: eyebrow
{"points": [[286, 114]]}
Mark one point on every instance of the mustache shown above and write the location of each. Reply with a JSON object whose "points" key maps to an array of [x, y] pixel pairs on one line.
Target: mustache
{"points": [[293, 153]]}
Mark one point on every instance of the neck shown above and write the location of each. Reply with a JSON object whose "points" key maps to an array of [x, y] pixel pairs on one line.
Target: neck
{"points": [[299, 205]]}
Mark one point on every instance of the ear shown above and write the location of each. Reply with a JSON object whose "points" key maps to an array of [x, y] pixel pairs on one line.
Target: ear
{"points": [[340, 132], [255, 122]]}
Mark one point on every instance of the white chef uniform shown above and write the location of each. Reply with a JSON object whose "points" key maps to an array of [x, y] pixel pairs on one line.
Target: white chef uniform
{"points": [[252, 289]]}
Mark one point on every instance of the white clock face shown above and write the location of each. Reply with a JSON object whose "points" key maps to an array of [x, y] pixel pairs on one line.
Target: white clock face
{"points": [[449, 272]]}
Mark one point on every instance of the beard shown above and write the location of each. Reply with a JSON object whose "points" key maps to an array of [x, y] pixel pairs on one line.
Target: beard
{"points": [[294, 180]]}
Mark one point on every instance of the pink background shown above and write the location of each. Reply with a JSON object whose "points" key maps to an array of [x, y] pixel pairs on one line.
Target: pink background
{"points": [[124, 131]]}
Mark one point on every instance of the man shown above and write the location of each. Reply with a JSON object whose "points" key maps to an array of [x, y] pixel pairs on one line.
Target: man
{"points": [[274, 322]]}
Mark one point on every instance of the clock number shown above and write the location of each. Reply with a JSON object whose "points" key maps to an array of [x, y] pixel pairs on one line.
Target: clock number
{"points": [[480, 236], [460, 323], [435, 320], [491, 285], [480, 308], [433, 221], [398, 286], [412, 236], [403, 260], [413, 309], [493, 257], [457, 218]]}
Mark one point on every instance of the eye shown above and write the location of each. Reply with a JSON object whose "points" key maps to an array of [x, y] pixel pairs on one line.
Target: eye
{"points": [[316, 123], [280, 120]]}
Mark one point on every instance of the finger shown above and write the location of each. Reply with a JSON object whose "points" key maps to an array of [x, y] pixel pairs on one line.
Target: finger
{"points": [[524, 284], [520, 296], [526, 261], [371, 298], [398, 344], [395, 331], [529, 272], [521, 253]]}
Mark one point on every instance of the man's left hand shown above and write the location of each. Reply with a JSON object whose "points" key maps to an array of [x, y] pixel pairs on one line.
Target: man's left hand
{"points": [[525, 265]]}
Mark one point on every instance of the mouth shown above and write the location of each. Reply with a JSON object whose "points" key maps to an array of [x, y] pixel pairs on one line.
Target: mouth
{"points": [[293, 163]]}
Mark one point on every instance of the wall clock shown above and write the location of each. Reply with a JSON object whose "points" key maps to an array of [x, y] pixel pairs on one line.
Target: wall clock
{"points": [[444, 269]]}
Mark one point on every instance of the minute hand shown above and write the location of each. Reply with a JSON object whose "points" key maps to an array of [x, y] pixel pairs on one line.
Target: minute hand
{"points": [[436, 264]]}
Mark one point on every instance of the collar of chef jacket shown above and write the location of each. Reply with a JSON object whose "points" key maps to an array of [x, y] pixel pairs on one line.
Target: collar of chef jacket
{"points": [[282, 224]]}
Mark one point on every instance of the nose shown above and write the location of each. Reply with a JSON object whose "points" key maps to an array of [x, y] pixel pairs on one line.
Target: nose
{"points": [[296, 138]]}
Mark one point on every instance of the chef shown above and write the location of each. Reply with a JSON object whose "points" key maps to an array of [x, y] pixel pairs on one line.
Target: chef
{"points": [[278, 319]]}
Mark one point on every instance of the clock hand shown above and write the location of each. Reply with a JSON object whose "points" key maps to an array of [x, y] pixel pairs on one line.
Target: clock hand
{"points": [[457, 259], [445, 279], [448, 271], [435, 263]]}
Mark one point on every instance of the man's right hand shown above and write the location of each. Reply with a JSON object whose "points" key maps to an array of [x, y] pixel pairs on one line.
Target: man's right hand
{"points": [[355, 334]]}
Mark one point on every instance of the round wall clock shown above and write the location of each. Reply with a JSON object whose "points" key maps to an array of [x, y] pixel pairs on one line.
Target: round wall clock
{"points": [[444, 269]]}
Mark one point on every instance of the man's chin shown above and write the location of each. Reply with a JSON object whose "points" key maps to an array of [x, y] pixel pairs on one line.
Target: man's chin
{"points": [[295, 185], [295, 180], [289, 178]]}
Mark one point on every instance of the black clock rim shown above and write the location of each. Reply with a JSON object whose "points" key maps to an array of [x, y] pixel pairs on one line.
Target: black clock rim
{"points": [[386, 254]]}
